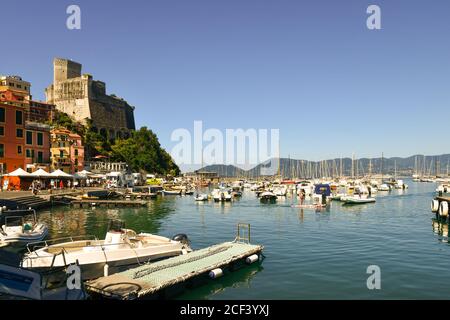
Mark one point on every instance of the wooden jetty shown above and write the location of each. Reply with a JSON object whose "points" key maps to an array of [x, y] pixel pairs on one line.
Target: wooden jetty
{"points": [[83, 203], [170, 276]]}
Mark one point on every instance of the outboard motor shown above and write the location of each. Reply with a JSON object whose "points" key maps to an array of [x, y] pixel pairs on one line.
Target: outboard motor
{"points": [[181, 237]]}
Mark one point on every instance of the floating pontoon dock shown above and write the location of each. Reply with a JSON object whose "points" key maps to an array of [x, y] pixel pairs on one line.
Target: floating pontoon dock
{"points": [[152, 280], [108, 203], [443, 198]]}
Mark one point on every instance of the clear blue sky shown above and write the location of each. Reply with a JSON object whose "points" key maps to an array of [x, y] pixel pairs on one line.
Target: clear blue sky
{"points": [[310, 68]]}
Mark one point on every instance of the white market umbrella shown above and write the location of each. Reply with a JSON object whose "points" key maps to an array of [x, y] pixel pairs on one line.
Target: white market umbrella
{"points": [[18, 173], [41, 173], [60, 174], [85, 173]]}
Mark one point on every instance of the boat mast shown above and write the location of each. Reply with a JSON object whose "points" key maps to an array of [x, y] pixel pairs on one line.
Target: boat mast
{"points": [[353, 165], [395, 170]]}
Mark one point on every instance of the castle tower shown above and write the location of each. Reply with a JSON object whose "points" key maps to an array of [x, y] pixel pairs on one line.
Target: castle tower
{"points": [[64, 69], [83, 98]]}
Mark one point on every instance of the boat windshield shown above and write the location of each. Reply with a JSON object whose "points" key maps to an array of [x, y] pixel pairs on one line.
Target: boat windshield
{"points": [[116, 225]]}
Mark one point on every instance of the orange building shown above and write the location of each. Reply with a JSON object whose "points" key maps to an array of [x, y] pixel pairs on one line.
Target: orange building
{"points": [[67, 151], [24, 138]]}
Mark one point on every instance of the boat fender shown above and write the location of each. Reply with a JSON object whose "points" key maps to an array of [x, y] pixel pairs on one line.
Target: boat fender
{"points": [[181, 237], [106, 270], [216, 273], [443, 209], [434, 205], [251, 259]]}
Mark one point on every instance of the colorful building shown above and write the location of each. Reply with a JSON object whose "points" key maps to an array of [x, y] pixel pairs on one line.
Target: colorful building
{"points": [[67, 151], [24, 136]]}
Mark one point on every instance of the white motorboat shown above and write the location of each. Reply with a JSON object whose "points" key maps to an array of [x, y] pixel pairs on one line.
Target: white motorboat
{"points": [[201, 197], [357, 199], [384, 188], [220, 195], [280, 191], [400, 185], [306, 187], [268, 196], [121, 249], [171, 192], [22, 229]]}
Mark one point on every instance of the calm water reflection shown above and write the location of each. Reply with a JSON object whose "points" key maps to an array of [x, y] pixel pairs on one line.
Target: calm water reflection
{"points": [[310, 255]]}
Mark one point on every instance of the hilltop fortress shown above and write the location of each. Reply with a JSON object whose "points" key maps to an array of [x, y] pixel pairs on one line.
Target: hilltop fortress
{"points": [[83, 98]]}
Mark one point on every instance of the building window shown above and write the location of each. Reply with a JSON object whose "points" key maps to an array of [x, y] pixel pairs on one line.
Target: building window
{"points": [[2, 150], [29, 153], [19, 149], [40, 139], [19, 117], [2, 131], [76, 152], [19, 133], [29, 137], [61, 153], [40, 157], [2, 114]]}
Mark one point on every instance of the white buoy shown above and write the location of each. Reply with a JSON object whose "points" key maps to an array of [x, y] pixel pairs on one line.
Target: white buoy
{"points": [[251, 259], [105, 270], [216, 273], [443, 209], [434, 205]]}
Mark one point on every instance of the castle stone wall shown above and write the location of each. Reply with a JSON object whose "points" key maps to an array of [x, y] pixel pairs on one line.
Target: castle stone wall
{"points": [[83, 98]]}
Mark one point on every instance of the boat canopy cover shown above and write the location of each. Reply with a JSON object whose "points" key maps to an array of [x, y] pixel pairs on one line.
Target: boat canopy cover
{"points": [[323, 189]]}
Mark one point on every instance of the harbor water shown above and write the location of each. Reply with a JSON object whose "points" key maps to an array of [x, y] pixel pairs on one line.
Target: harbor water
{"points": [[309, 254]]}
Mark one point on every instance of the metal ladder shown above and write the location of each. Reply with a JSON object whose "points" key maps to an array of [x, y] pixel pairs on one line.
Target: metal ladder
{"points": [[243, 233]]}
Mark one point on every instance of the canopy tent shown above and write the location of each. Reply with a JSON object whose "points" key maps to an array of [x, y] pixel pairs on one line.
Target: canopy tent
{"points": [[19, 179], [83, 174], [41, 173], [18, 173], [61, 174]]}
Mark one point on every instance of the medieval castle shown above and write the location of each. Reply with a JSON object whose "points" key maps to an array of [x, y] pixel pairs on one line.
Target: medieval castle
{"points": [[83, 98]]}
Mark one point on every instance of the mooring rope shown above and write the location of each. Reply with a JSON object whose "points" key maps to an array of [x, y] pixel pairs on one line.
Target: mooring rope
{"points": [[145, 272]]}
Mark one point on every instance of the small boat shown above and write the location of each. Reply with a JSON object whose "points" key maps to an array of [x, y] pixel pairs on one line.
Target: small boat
{"points": [[280, 191], [384, 187], [201, 197], [121, 249], [337, 197], [236, 194], [357, 200], [268, 196], [171, 192], [189, 192], [220, 195], [18, 229]]}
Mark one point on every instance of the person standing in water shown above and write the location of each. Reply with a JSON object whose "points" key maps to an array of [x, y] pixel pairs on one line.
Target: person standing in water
{"points": [[302, 196]]}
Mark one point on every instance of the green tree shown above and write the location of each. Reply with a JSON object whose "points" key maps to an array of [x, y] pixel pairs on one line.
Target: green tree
{"points": [[142, 151]]}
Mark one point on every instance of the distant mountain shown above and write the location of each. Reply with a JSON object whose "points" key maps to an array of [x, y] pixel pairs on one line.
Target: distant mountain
{"points": [[292, 168]]}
